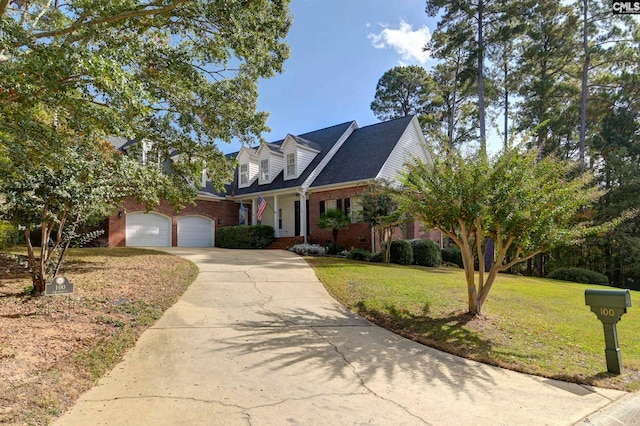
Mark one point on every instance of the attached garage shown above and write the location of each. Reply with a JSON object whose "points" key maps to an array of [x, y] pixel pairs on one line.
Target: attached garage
{"points": [[196, 231], [148, 230]]}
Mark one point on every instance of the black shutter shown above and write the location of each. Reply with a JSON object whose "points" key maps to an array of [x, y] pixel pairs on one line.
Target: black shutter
{"points": [[321, 207], [339, 204], [347, 206]]}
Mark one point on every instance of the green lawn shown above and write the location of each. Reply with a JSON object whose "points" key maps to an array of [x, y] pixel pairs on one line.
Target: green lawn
{"points": [[537, 326]]}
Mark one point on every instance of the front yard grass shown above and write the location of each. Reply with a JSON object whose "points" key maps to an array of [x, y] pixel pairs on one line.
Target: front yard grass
{"points": [[532, 325]]}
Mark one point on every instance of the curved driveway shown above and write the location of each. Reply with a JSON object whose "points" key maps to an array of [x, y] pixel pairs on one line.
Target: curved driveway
{"points": [[256, 340]]}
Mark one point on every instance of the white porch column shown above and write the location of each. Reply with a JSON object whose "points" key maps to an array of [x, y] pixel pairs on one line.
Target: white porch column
{"points": [[276, 216], [303, 215], [254, 211]]}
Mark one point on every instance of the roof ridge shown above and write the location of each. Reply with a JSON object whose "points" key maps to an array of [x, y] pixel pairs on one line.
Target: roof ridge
{"points": [[328, 127], [406, 117]]}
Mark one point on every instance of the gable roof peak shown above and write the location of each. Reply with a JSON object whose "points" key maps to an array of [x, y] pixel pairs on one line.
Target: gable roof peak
{"points": [[300, 141], [272, 147]]}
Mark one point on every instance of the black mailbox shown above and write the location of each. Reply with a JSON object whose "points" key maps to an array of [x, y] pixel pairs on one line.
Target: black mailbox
{"points": [[609, 306]]}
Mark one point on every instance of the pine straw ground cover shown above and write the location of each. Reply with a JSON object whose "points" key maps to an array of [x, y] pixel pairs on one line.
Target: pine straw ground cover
{"points": [[51, 351]]}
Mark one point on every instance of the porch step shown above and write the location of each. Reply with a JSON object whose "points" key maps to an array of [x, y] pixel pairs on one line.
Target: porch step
{"points": [[284, 243]]}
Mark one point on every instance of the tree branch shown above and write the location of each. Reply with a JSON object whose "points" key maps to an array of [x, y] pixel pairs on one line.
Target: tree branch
{"points": [[3, 6], [518, 259], [109, 19]]}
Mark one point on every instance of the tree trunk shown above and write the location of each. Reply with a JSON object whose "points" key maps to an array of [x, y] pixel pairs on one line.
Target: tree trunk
{"points": [[506, 103], [585, 81], [453, 103], [481, 106]]}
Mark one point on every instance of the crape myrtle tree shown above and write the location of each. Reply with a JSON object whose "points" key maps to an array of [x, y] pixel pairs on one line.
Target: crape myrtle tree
{"points": [[59, 198], [179, 74], [524, 205], [380, 209]]}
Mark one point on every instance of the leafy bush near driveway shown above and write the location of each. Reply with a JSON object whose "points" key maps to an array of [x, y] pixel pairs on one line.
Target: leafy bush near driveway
{"points": [[579, 275], [244, 237], [359, 254], [336, 248], [401, 252], [426, 253], [452, 255]]}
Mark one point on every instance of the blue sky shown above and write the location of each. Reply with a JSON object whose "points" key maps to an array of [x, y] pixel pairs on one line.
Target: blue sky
{"points": [[339, 51]]}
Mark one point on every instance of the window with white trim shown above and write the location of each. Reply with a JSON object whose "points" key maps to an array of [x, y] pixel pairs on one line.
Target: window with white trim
{"points": [[330, 205], [291, 164], [244, 174], [264, 170], [355, 210]]}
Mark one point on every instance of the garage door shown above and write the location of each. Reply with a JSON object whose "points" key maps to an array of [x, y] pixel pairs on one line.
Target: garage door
{"points": [[195, 231], [148, 230]]}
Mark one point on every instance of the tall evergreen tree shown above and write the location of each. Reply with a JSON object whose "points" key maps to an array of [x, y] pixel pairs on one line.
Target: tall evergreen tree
{"points": [[469, 25], [454, 114], [548, 91], [402, 91]]}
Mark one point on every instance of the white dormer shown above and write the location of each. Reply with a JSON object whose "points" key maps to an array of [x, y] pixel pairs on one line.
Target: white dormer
{"points": [[248, 166], [271, 163], [298, 153]]}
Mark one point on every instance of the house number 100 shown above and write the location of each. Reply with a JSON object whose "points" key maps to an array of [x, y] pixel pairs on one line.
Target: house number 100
{"points": [[607, 312]]}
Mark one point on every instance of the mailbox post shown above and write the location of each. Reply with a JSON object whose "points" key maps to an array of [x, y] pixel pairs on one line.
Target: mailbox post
{"points": [[609, 306]]}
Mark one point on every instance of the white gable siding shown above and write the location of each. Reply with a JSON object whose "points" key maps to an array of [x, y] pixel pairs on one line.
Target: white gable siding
{"points": [[276, 165], [411, 145], [305, 157]]}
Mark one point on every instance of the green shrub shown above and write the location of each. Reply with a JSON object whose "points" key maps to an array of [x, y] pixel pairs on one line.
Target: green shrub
{"points": [[452, 255], [401, 252], [376, 258], [336, 248], [426, 253], [9, 235], [244, 237], [359, 254], [579, 275]]}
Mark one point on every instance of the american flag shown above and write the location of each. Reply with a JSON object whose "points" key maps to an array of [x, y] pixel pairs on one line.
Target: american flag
{"points": [[262, 205]]}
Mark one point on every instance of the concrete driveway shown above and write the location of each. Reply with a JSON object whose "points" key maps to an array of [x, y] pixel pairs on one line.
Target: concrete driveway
{"points": [[256, 340]]}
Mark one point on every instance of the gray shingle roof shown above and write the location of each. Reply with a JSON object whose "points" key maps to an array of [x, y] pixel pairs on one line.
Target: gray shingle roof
{"points": [[306, 143], [324, 139], [364, 153]]}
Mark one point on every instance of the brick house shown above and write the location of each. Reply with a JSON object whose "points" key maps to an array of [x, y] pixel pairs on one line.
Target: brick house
{"points": [[299, 177]]}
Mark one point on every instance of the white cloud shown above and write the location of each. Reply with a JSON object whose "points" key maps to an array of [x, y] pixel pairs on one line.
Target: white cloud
{"points": [[408, 43]]}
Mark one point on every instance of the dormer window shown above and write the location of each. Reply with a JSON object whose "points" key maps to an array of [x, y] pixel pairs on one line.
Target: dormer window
{"points": [[291, 164], [264, 170], [244, 174]]}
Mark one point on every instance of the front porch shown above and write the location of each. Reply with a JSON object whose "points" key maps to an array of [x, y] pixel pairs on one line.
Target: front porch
{"points": [[287, 213]]}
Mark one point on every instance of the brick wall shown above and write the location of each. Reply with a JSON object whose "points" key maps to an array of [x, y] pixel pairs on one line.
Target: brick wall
{"points": [[224, 213], [358, 235]]}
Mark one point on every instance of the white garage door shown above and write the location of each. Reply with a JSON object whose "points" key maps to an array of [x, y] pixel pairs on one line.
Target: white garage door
{"points": [[195, 231], [148, 230]]}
